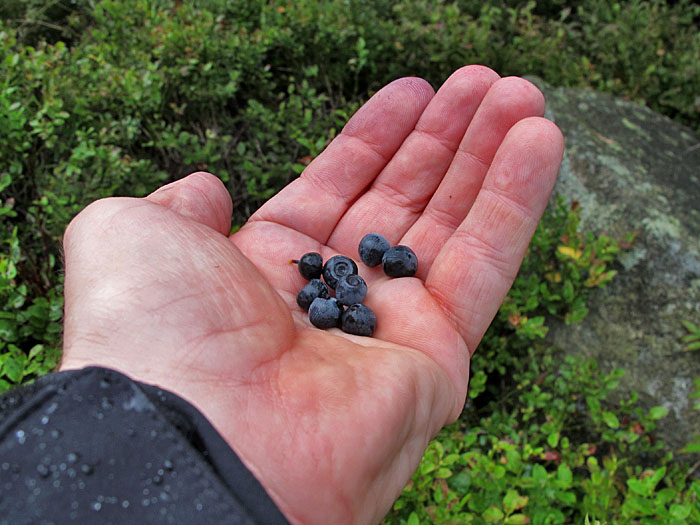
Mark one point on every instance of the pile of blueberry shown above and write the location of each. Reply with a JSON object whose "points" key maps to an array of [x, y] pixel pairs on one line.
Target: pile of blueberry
{"points": [[340, 273]]}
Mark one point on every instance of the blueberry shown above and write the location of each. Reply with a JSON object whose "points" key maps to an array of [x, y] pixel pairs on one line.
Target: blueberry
{"points": [[372, 248], [325, 313], [358, 320], [313, 289], [310, 265], [400, 261], [336, 267], [351, 289]]}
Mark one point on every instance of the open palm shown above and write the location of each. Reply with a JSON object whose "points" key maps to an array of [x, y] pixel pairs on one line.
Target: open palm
{"points": [[332, 424]]}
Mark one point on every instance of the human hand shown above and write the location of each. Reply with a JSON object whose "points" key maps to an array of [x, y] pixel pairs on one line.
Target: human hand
{"points": [[333, 425]]}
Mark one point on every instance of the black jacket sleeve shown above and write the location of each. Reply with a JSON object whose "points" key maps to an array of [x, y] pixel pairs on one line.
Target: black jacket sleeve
{"points": [[93, 446]]}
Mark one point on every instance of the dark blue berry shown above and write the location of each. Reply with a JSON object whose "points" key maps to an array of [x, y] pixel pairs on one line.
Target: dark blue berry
{"points": [[400, 261], [313, 289], [325, 313], [351, 289], [337, 267], [310, 265], [359, 320], [372, 248]]}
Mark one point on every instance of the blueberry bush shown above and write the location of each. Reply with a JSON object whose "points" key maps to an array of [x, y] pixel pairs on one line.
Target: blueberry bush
{"points": [[116, 97]]}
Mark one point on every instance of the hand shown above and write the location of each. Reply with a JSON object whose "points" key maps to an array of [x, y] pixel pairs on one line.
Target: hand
{"points": [[333, 425]]}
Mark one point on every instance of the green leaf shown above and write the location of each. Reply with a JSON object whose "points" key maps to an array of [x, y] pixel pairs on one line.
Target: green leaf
{"points": [[513, 501], [568, 291], [427, 465], [680, 512], [640, 505], [691, 448], [658, 412], [657, 476], [14, 368], [567, 497], [461, 482], [637, 486], [35, 351], [469, 440], [663, 496], [5, 180], [443, 473], [553, 439], [492, 514], [690, 326], [413, 519], [564, 475], [611, 420], [540, 474], [593, 404], [8, 330]]}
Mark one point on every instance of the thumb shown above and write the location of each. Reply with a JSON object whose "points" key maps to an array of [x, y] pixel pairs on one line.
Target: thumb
{"points": [[201, 197]]}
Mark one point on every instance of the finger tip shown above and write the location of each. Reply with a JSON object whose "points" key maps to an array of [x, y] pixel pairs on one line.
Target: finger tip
{"points": [[542, 130], [418, 84], [475, 70], [521, 92], [417, 91]]}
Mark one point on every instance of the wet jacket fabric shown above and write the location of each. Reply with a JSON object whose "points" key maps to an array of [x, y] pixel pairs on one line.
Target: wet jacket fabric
{"points": [[93, 446]]}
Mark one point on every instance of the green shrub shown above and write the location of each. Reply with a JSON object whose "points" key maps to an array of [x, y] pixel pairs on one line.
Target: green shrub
{"points": [[116, 97], [30, 328], [557, 452], [562, 267]]}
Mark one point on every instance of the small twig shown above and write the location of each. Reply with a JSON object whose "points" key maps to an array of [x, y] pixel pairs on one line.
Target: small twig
{"points": [[693, 468], [27, 21]]}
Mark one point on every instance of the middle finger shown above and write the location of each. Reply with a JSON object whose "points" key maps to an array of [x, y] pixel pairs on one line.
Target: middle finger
{"points": [[509, 101], [403, 188]]}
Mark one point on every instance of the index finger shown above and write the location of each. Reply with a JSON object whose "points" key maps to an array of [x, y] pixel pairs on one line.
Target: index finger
{"points": [[314, 203]]}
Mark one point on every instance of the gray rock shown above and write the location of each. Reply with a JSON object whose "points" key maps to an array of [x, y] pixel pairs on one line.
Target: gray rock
{"points": [[632, 169]]}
